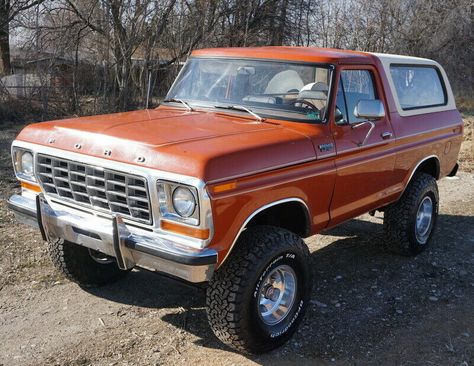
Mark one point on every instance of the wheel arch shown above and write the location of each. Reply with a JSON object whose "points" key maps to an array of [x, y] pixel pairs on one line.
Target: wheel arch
{"points": [[300, 222], [429, 165]]}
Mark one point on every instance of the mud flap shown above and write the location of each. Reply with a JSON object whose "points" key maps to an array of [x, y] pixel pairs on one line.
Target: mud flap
{"points": [[454, 171]]}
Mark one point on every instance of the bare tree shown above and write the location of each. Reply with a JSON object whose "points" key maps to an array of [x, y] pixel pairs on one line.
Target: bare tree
{"points": [[9, 10], [129, 23], [117, 46]]}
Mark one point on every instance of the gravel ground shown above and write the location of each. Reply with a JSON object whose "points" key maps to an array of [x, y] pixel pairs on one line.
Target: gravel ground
{"points": [[368, 307]]}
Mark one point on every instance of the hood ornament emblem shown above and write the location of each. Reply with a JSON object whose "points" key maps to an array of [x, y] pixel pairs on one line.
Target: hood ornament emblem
{"points": [[77, 146], [141, 159], [107, 152]]}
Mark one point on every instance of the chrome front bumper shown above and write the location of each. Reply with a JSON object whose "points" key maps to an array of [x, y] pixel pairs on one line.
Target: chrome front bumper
{"points": [[131, 246]]}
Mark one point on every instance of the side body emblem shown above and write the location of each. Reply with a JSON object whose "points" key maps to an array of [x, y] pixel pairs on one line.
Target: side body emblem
{"points": [[326, 147]]}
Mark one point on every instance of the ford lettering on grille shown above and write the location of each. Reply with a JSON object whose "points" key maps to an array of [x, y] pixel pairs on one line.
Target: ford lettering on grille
{"points": [[103, 189]]}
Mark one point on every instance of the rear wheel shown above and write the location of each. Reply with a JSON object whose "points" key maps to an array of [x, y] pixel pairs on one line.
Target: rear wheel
{"points": [[256, 300], [409, 224], [82, 265]]}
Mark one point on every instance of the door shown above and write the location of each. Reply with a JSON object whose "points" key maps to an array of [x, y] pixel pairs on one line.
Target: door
{"points": [[365, 158]]}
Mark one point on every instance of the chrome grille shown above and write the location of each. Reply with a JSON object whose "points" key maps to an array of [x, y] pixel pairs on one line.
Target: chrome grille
{"points": [[100, 188]]}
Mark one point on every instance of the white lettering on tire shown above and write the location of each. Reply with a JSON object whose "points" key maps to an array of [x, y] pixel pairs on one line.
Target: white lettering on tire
{"points": [[284, 330]]}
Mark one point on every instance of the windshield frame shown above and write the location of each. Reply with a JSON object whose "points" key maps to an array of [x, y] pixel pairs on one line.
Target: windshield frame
{"points": [[260, 110]]}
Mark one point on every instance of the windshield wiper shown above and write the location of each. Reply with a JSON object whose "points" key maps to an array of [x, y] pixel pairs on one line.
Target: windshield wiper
{"points": [[240, 108], [176, 100]]}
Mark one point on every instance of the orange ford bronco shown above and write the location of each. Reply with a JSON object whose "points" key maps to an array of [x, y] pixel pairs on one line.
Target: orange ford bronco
{"points": [[253, 150]]}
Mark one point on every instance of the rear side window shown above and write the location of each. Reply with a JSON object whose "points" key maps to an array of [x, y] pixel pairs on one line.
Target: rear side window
{"points": [[418, 86]]}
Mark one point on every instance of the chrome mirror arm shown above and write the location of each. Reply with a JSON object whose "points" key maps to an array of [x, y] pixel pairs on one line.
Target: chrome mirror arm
{"points": [[360, 124]]}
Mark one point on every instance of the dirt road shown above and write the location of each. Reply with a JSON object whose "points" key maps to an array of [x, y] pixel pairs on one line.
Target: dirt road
{"points": [[368, 307]]}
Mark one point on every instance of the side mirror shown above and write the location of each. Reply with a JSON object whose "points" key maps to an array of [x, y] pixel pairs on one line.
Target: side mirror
{"points": [[370, 109]]}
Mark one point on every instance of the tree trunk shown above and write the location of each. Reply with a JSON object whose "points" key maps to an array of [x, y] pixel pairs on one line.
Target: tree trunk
{"points": [[5, 65]]}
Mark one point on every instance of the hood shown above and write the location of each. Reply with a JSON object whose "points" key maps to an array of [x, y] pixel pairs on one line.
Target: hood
{"points": [[206, 145]]}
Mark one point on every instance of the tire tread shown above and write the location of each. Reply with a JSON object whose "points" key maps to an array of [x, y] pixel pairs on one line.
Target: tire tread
{"points": [[75, 263], [226, 292], [397, 216]]}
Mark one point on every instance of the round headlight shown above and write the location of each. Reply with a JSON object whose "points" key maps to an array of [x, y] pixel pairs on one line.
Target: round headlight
{"points": [[27, 163], [184, 202]]}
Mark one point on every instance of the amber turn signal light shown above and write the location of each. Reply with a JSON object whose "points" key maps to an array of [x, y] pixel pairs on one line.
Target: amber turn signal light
{"points": [[185, 230], [224, 187], [31, 187]]}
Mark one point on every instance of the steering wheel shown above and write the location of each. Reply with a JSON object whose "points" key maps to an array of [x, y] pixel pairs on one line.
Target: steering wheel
{"points": [[305, 104]]}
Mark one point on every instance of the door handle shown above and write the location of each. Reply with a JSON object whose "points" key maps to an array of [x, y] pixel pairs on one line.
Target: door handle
{"points": [[386, 135]]}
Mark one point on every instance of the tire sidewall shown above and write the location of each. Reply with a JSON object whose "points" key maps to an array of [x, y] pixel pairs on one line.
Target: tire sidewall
{"points": [[279, 333], [416, 245]]}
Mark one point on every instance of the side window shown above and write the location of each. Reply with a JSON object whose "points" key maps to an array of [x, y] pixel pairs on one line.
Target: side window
{"points": [[357, 85], [418, 86]]}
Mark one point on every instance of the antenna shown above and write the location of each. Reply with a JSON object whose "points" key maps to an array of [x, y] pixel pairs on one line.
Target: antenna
{"points": [[148, 88]]}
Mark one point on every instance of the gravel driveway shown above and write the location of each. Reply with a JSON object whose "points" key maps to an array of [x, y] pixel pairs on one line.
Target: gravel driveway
{"points": [[368, 307]]}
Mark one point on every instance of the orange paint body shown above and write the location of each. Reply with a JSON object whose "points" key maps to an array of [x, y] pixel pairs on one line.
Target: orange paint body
{"points": [[253, 164]]}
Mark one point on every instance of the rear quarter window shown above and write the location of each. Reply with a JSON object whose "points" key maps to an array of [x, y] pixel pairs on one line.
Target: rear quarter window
{"points": [[418, 86]]}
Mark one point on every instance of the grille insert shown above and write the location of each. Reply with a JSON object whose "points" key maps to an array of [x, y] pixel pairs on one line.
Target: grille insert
{"points": [[100, 188]]}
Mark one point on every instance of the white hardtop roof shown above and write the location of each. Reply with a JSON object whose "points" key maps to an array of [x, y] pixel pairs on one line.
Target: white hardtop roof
{"points": [[390, 58]]}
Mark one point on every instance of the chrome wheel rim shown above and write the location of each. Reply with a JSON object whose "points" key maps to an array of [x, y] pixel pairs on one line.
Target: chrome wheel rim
{"points": [[277, 295], [100, 257], [424, 217]]}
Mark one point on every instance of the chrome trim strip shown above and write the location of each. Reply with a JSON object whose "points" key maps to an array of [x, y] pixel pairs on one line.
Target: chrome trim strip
{"points": [[258, 186], [358, 148], [404, 137], [250, 173], [152, 175], [256, 212], [416, 167], [400, 139]]}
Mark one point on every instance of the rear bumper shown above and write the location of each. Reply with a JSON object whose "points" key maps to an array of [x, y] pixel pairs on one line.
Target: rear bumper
{"points": [[131, 246]]}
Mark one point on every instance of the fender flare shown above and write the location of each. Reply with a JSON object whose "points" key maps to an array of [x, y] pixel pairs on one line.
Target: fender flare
{"points": [[417, 166], [263, 208]]}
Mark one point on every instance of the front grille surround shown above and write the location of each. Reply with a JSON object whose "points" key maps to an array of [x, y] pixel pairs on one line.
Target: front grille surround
{"points": [[100, 188]]}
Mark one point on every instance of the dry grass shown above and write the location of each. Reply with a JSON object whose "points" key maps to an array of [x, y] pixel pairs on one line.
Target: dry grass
{"points": [[466, 156], [465, 105]]}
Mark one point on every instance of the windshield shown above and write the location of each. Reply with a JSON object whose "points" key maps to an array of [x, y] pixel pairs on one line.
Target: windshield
{"points": [[269, 88]]}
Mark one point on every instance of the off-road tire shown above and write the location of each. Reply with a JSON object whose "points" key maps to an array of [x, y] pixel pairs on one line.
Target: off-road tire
{"points": [[400, 218], [75, 262], [232, 294]]}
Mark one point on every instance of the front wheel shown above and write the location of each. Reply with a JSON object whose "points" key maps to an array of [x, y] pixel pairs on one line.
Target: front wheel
{"points": [[256, 300], [82, 265], [409, 223]]}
